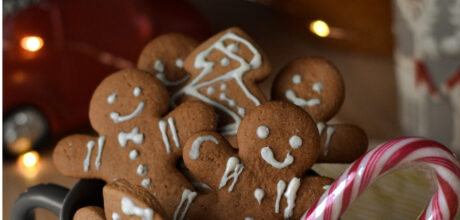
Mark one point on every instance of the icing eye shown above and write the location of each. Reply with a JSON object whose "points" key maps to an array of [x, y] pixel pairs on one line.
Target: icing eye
{"points": [[137, 91], [318, 87], [112, 97], [262, 132], [159, 66], [180, 63], [295, 141], [296, 79]]}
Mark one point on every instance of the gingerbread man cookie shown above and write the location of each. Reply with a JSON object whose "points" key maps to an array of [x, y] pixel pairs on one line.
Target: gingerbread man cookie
{"points": [[123, 200], [164, 57], [224, 71], [136, 143], [278, 142], [315, 85]]}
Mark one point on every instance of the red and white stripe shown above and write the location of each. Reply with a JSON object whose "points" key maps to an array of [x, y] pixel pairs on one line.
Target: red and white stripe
{"points": [[395, 154]]}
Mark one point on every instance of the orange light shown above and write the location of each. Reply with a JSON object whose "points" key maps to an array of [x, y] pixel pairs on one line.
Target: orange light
{"points": [[320, 28], [30, 159], [32, 43]]}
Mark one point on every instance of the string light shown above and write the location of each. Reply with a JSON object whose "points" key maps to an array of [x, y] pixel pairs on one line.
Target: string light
{"points": [[320, 28], [32, 43]]}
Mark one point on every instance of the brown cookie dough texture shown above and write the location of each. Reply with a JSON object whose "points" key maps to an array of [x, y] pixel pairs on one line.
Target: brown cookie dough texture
{"points": [[278, 142], [316, 85], [224, 71], [136, 142], [164, 58], [123, 200], [89, 212]]}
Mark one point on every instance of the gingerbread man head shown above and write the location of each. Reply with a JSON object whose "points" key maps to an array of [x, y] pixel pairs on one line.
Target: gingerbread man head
{"points": [[278, 139], [312, 83], [136, 140], [121, 101], [278, 142], [316, 85], [164, 57]]}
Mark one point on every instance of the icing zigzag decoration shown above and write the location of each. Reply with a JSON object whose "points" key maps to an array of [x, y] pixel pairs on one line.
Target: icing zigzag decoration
{"points": [[224, 71]]}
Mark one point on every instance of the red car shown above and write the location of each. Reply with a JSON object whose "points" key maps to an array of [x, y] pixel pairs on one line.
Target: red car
{"points": [[56, 52]]}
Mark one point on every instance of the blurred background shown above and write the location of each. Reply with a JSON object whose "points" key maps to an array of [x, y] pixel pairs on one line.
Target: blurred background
{"points": [[56, 52]]}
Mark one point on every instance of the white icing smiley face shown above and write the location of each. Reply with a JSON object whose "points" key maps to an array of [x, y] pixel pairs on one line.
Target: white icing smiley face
{"points": [[313, 84], [116, 117], [292, 96], [159, 68], [295, 142]]}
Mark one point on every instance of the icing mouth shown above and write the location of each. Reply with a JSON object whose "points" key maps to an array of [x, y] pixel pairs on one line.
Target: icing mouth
{"points": [[291, 96], [115, 116], [161, 76], [267, 155]]}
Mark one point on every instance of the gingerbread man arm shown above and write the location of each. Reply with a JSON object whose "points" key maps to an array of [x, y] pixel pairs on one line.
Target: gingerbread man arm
{"points": [[341, 143], [209, 153], [310, 189], [184, 121], [78, 155]]}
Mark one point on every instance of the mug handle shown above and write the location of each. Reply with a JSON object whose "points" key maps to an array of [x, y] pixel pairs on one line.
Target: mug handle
{"points": [[48, 196]]}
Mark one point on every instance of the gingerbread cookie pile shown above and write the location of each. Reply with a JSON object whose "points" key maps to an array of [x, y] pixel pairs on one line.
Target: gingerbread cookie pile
{"points": [[245, 157]]}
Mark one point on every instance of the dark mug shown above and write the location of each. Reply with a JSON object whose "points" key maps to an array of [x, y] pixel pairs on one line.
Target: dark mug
{"points": [[57, 199]]}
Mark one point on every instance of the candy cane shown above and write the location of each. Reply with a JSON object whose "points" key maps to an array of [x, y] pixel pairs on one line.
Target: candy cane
{"points": [[395, 154]]}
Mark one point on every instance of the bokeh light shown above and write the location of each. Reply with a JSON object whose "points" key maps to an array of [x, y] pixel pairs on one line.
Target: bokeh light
{"points": [[20, 145], [30, 159], [320, 28], [32, 43]]}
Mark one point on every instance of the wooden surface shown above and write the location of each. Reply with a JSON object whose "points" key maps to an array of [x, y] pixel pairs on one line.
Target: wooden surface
{"points": [[370, 97]]}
